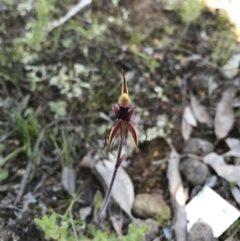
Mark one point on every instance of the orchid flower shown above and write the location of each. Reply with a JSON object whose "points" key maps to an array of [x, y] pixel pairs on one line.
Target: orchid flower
{"points": [[123, 124]]}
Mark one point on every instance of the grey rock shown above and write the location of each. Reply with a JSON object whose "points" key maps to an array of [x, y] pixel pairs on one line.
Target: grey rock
{"points": [[198, 147], [153, 228], [200, 232], [194, 171], [150, 206]]}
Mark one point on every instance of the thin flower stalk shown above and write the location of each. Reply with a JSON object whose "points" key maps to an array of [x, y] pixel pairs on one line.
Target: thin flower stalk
{"points": [[122, 125]]}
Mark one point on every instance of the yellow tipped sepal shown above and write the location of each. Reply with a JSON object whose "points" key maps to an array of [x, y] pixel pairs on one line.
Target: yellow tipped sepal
{"points": [[124, 99]]}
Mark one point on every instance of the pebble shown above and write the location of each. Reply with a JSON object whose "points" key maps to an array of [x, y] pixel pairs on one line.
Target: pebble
{"points": [[153, 228], [150, 206], [194, 171], [200, 232], [198, 147]]}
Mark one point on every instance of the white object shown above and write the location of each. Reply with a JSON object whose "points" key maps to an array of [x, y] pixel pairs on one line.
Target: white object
{"points": [[211, 208]]}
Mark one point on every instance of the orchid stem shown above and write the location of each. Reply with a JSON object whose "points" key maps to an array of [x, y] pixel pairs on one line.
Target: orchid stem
{"points": [[108, 195]]}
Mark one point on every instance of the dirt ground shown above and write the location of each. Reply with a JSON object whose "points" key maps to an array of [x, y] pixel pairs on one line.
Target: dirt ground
{"points": [[57, 89]]}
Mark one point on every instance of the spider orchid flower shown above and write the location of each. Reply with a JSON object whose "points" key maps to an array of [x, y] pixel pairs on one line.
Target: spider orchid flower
{"points": [[123, 124]]}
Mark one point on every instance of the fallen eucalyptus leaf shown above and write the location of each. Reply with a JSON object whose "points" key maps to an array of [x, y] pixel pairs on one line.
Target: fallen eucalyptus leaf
{"points": [[177, 194], [122, 191], [116, 218], [236, 194], [233, 152], [230, 69], [186, 129], [85, 212], [200, 112], [224, 117], [228, 172], [236, 102], [68, 180], [232, 142], [212, 85], [211, 181], [189, 117]]}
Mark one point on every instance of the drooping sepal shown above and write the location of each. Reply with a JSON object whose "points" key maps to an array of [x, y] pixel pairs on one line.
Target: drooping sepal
{"points": [[113, 132], [124, 84], [133, 132], [124, 99]]}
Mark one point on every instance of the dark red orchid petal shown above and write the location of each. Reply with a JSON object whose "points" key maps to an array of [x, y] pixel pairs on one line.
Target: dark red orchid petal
{"points": [[133, 132], [140, 128], [113, 133], [115, 109], [108, 132], [131, 112]]}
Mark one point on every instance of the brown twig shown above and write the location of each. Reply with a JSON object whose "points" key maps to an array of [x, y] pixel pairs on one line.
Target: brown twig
{"points": [[177, 195]]}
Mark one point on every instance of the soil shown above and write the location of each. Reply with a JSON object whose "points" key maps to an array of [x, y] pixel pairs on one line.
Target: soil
{"points": [[174, 73]]}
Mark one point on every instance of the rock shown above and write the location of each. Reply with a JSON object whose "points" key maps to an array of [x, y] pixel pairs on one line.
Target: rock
{"points": [[199, 82], [5, 235], [151, 206], [194, 171], [198, 147], [200, 232], [153, 229]]}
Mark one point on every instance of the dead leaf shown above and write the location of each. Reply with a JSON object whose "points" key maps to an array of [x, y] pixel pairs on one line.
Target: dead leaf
{"points": [[122, 191], [84, 212], [68, 180], [116, 218], [224, 117], [235, 151], [236, 194], [212, 85], [228, 172], [177, 194], [186, 129], [236, 102], [97, 204], [232, 142], [200, 112], [230, 69], [189, 117]]}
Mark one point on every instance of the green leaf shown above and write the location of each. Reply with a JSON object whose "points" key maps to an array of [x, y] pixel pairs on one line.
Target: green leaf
{"points": [[40, 223], [11, 155], [52, 221], [3, 174], [2, 148], [59, 107]]}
